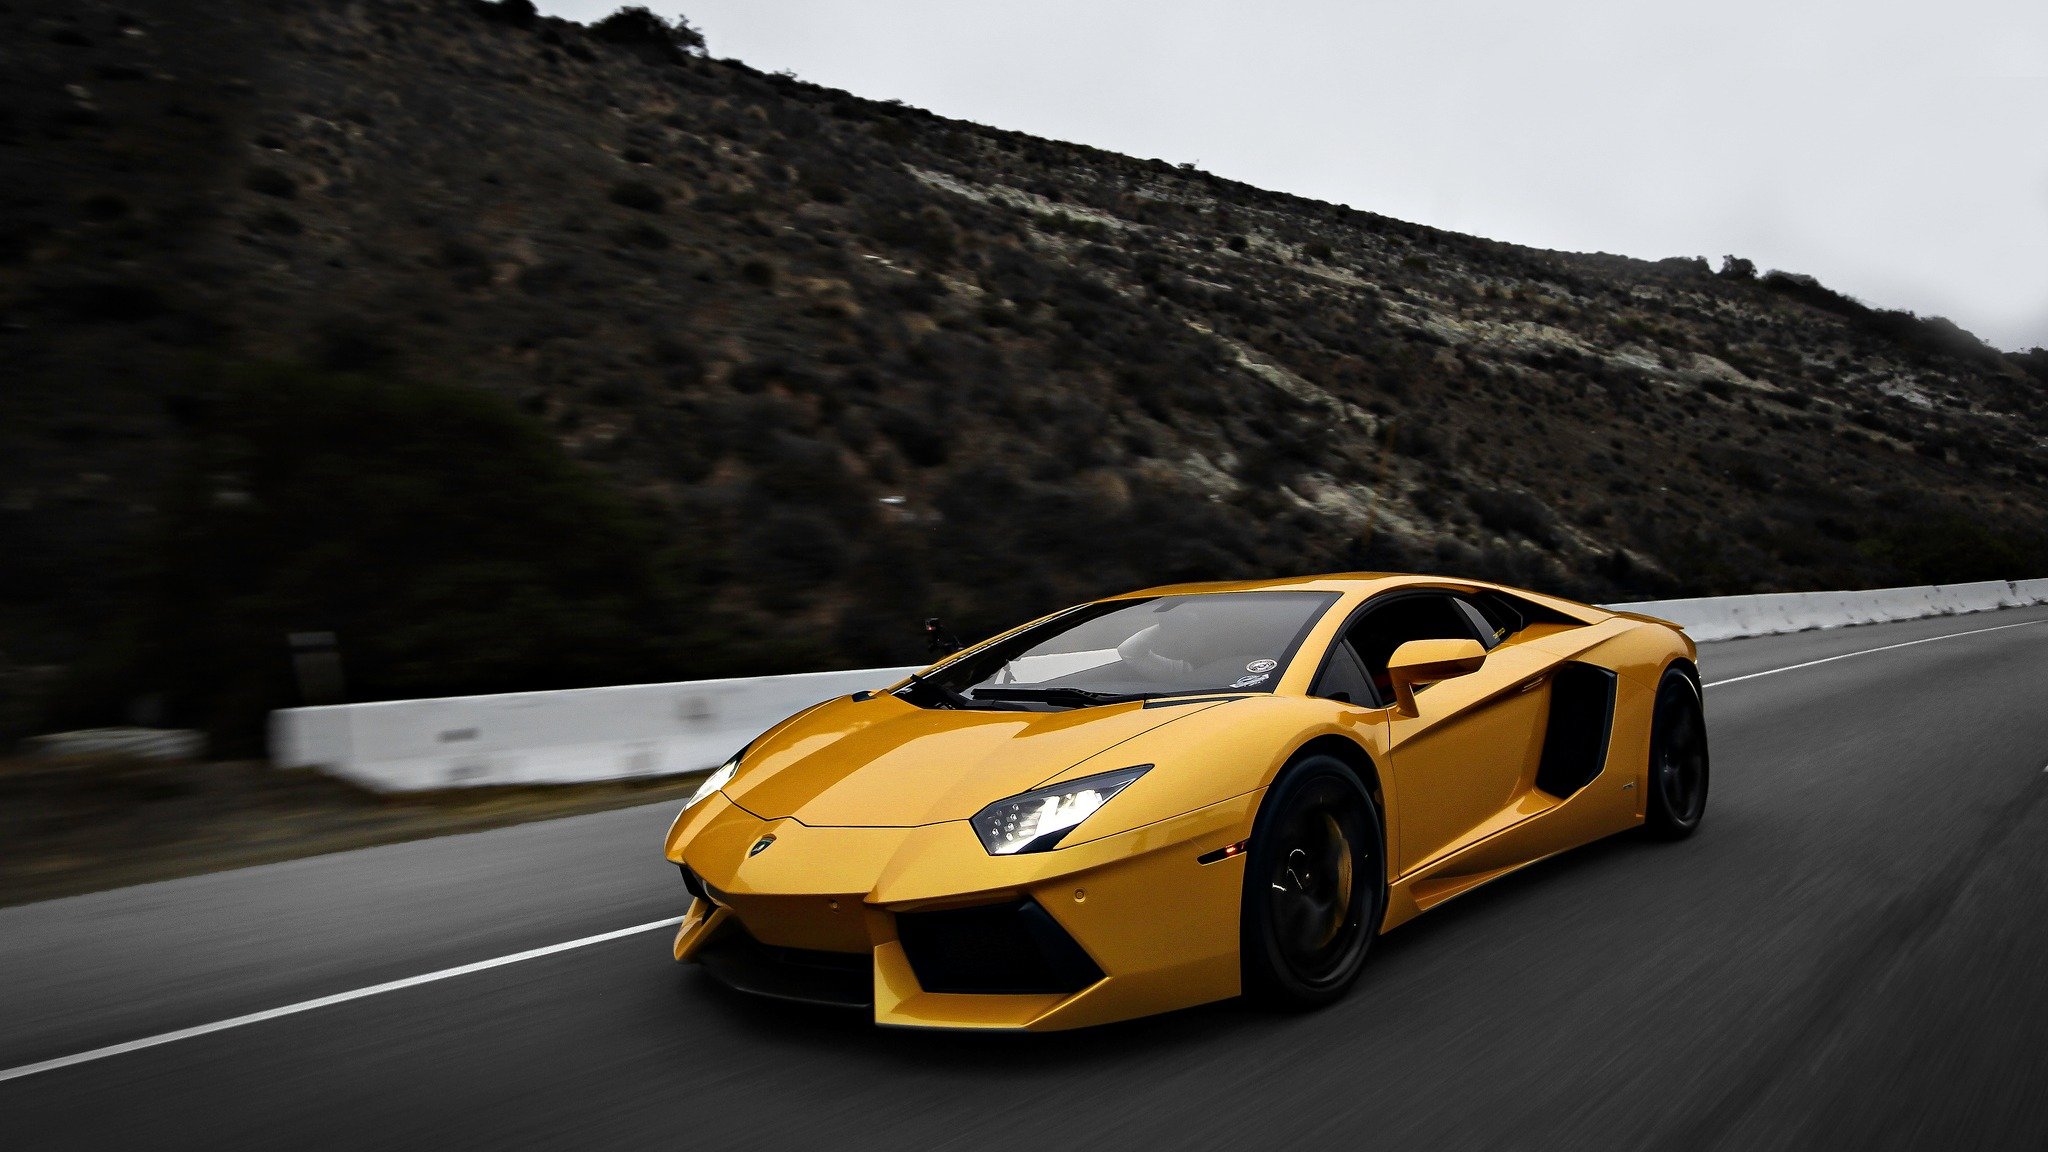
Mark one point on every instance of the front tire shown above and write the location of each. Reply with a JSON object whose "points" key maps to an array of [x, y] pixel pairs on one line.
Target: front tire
{"points": [[1677, 780], [1314, 888]]}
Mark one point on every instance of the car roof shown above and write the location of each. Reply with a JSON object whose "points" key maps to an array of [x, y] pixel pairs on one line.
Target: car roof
{"points": [[1331, 582], [1369, 584]]}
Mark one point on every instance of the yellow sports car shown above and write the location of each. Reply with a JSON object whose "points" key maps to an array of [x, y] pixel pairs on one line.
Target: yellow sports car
{"points": [[1181, 795]]}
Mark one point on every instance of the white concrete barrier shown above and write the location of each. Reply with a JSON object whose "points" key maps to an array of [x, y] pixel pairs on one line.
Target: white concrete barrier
{"points": [[1729, 617], [565, 737], [639, 730]]}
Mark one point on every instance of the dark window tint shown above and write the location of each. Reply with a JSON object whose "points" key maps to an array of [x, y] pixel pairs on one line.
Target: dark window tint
{"points": [[1429, 616], [1343, 677], [1490, 632], [1506, 615]]}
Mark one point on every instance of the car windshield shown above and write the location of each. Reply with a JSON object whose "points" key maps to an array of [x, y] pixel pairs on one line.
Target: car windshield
{"points": [[1116, 650]]}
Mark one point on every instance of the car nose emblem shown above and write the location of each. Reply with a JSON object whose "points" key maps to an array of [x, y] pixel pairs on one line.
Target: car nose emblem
{"points": [[761, 845]]}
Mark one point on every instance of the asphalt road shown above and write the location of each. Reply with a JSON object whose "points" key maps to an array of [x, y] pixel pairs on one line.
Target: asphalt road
{"points": [[1853, 953]]}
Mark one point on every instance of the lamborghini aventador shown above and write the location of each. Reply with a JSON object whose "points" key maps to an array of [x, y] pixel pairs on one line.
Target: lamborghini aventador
{"points": [[1181, 795]]}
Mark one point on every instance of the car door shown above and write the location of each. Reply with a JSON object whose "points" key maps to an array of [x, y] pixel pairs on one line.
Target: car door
{"points": [[1464, 762]]}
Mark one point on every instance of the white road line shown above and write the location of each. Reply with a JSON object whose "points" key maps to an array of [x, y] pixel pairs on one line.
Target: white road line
{"points": [[1868, 651], [325, 1001]]}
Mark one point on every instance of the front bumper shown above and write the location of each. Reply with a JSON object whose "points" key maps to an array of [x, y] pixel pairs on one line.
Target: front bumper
{"points": [[1126, 925]]}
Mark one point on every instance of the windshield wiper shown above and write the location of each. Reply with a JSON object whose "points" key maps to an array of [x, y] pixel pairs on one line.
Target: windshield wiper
{"points": [[1078, 697], [947, 696]]}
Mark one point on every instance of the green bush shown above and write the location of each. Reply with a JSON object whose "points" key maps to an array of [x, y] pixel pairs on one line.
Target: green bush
{"points": [[638, 195], [641, 30], [438, 531], [518, 13], [270, 182], [1943, 547], [1512, 511]]}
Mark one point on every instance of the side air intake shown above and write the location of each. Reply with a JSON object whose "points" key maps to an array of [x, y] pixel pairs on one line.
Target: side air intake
{"points": [[1581, 720]]}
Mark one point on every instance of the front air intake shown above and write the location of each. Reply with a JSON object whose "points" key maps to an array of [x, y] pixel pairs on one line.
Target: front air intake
{"points": [[994, 949], [835, 979], [694, 883]]}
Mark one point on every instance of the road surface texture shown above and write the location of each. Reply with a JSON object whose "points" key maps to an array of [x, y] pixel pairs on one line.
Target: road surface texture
{"points": [[1852, 953]]}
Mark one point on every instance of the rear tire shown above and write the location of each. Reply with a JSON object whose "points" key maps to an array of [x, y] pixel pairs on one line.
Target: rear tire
{"points": [[1314, 886], [1677, 780]]}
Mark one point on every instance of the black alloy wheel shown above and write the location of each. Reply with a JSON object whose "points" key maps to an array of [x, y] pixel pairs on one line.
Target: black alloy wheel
{"points": [[1314, 886], [1678, 760]]}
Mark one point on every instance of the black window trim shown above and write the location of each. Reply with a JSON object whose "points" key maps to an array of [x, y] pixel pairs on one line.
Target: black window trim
{"points": [[1374, 602], [1330, 655]]}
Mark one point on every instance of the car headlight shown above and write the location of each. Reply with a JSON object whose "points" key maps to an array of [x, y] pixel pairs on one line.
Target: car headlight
{"points": [[716, 780], [1036, 821]]}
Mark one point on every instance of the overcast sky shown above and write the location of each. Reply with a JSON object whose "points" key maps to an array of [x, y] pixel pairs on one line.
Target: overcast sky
{"points": [[1899, 152]]}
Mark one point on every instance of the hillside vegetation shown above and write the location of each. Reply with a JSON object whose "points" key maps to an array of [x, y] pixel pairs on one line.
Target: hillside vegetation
{"points": [[523, 354]]}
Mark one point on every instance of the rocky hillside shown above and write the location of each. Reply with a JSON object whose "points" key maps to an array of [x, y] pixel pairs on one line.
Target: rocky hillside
{"points": [[519, 353]]}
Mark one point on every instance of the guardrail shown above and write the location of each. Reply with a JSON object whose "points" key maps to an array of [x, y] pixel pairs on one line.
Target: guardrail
{"points": [[1730, 617], [644, 730], [565, 737]]}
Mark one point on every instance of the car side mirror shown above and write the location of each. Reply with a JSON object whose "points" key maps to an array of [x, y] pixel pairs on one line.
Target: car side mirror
{"points": [[1428, 661]]}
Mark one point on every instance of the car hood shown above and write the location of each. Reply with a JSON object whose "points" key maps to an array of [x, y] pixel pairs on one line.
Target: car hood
{"points": [[881, 762]]}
